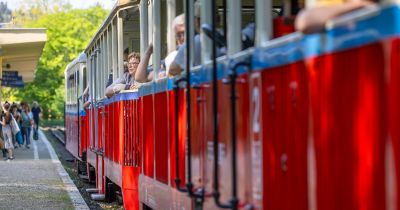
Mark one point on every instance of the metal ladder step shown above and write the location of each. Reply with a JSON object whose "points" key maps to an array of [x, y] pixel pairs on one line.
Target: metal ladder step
{"points": [[84, 176], [92, 190], [98, 197]]}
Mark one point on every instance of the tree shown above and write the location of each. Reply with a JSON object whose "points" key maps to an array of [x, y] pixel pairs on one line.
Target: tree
{"points": [[32, 10], [5, 13], [68, 33]]}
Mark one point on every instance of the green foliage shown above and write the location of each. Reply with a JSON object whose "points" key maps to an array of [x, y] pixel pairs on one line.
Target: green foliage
{"points": [[68, 33], [52, 123]]}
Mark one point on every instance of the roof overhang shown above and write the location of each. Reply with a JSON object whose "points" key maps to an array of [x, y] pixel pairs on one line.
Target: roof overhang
{"points": [[21, 50]]}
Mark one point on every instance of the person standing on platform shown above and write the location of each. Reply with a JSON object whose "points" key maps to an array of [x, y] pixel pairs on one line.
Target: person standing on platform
{"points": [[36, 112], [27, 122], [6, 108], [8, 135], [17, 116]]}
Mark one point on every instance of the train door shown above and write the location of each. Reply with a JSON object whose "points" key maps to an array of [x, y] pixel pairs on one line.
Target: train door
{"points": [[295, 132], [284, 137], [274, 156]]}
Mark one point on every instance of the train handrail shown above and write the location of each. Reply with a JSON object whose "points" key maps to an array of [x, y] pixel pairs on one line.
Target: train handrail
{"points": [[363, 13], [216, 193], [177, 178]]}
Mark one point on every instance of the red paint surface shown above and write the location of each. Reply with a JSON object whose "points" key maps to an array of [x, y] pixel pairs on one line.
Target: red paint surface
{"points": [[161, 130], [394, 108], [121, 133], [182, 136], [283, 26], [130, 189], [295, 132], [285, 126], [83, 135], [72, 135], [347, 97], [129, 113], [243, 139], [99, 129], [275, 182], [348, 101], [148, 135]]}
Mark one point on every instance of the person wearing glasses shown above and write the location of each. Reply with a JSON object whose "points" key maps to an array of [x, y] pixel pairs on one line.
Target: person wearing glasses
{"points": [[143, 74], [127, 81]]}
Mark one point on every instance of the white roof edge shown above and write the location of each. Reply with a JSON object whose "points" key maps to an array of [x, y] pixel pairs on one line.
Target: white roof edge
{"points": [[22, 30], [10, 36]]}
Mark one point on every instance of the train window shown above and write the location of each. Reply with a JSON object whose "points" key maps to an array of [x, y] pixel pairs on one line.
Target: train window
{"points": [[275, 18], [97, 70], [84, 79], [153, 25], [75, 96], [70, 88], [109, 57], [114, 45], [173, 9], [131, 29], [102, 60], [120, 45]]}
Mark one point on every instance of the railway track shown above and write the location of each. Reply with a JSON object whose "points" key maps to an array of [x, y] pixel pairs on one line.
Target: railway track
{"points": [[59, 134]]}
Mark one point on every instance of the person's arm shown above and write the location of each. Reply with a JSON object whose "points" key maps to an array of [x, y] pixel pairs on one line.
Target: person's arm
{"points": [[174, 69], [114, 88], [86, 104], [109, 91], [141, 72], [176, 66], [150, 76], [313, 20]]}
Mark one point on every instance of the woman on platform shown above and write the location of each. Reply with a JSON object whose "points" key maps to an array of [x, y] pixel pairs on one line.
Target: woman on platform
{"points": [[8, 135], [27, 122]]}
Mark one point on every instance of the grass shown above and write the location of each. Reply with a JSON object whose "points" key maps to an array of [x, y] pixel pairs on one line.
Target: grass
{"points": [[52, 123]]}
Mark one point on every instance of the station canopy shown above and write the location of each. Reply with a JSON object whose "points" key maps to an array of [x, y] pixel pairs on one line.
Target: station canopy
{"points": [[20, 50]]}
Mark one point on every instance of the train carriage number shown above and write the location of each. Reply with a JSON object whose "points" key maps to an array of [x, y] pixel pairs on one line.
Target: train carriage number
{"points": [[255, 138]]}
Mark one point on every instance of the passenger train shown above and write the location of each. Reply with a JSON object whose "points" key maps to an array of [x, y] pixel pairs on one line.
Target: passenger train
{"points": [[294, 122]]}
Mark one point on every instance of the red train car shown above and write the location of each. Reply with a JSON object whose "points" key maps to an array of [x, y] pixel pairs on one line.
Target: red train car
{"points": [[297, 122], [75, 120]]}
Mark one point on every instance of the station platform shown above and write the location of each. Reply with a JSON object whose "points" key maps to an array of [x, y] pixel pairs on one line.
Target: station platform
{"points": [[35, 179]]}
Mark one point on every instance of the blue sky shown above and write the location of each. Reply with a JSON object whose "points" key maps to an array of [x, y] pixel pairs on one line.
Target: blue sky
{"points": [[108, 4]]}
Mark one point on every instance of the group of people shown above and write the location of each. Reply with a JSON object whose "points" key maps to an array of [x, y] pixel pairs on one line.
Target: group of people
{"points": [[16, 124], [308, 21], [173, 64]]}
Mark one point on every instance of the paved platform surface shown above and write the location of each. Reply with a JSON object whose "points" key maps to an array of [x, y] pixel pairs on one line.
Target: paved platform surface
{"points": [[35, 179]]}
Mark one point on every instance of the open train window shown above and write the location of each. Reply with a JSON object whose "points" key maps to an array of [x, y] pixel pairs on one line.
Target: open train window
{"points": [[70, 89], [131, 30], [237, 37], [84, 80]]}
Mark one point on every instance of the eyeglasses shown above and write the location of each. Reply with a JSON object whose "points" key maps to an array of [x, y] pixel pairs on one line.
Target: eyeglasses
{"points": [[180, 35], [132, 64]]}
